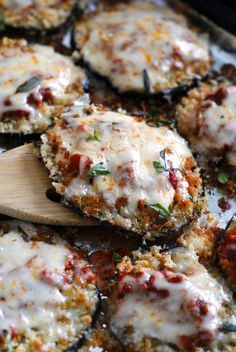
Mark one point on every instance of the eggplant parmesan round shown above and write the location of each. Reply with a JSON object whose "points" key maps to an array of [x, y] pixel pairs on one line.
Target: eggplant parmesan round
{"points": [[142, 47], [117, 168], [164, 302], [207, 117], [36, 14], [35, 84], [47, 291]]}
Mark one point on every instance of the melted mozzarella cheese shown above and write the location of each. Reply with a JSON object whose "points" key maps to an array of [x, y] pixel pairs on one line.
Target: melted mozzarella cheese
{"points": [[34, 294], [171, 316], [37, 14], [219, 124], [208, 118], [127, 148], [28, 301], [18, 64], [123, 42], [24, 3]]}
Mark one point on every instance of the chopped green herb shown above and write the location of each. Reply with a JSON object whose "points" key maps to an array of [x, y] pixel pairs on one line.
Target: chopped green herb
{"points": [[222, 116], [228, 327], [158, 166], [30, 84], [146, 81], [2, 21], [222, 177], [158, 122], [116, 257], [98, 169], [161, 210], [94, 137]]}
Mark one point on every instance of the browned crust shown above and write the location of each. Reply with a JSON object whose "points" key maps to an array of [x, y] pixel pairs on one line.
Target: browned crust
{"points": [[145, 221]]}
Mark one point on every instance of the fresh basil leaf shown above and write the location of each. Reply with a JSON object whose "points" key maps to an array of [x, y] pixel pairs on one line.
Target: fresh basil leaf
{"points": [[146, 81], [30, 84], [161, 210], [98, 169], [228, 327], [116, 257], [158, 166], [222, 177], [94, 137], [2, 21]]}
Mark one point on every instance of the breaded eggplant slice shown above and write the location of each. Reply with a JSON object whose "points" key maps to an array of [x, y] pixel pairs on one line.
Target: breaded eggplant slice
{"points": [[142, 47], [117, 168], [164, 302], [207, 117], [227, 253], [35, 84], [200, 236], [36, 15], [47, 291]]}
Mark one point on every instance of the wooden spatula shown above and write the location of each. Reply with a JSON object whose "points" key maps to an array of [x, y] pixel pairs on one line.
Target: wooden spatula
{"points": [[23, 186]]}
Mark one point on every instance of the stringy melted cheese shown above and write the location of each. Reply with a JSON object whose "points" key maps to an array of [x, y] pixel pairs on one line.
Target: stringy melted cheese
{"points": [[167, 310], [127, 148], [127, 39], [18, 64], [34, 295]]}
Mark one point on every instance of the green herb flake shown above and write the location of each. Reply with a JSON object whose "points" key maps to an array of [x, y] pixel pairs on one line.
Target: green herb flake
{"points": [[161, 210], [98, 169], [158, 167], [30, 84], [158, 122], [222, 177], [222, 117], [94, 137], [2, 21], [116, 257]]}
